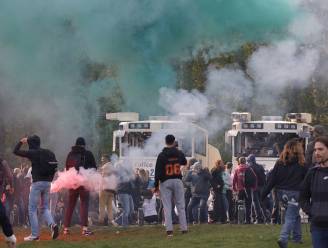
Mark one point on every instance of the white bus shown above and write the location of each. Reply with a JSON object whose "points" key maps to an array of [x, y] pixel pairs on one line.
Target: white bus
{"points": [[265, 138], [139, 142]]}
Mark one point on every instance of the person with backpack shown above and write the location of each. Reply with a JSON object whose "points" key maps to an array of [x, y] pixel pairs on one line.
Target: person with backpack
{"points": [[6, 175], [286, 177], [244, 181], [260, 183], [78, 158], [44, 165], [314, 194]]}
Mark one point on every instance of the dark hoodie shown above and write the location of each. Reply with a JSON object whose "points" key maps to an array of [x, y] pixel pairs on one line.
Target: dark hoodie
{"points": [[168, 165], [258, 169], [5, 175], [33, 154], [287, 176], [87, 157]]}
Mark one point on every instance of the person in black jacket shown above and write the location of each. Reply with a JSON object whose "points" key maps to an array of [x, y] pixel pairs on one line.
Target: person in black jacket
{"points": [[40, 188], [168, 179], [287, 176], [314, 195], [78, 158], [217, 182], [261, 178], [6, 175], [200, 189]]}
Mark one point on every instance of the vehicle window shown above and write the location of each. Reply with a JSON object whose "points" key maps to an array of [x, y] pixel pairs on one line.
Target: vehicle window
{"points": [[261, 144]]}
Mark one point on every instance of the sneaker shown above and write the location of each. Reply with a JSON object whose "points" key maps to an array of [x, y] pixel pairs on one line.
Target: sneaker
{"points": [[87, 232], [66, 231], [169, 234], [54, 231], [184, 231], [31, 238], [282, 244], [11, 241], [114, 223]]}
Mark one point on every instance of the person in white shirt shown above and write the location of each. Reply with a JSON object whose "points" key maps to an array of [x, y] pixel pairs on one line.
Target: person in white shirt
{"points": [[149, 207]]}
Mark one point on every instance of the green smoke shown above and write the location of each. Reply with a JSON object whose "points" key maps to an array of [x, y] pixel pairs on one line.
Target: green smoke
{"points": [[46, 46]]}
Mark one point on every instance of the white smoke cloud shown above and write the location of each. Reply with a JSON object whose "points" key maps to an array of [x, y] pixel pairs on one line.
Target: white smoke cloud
{"points": [[182, 101], [285, 63], [307, 29]]}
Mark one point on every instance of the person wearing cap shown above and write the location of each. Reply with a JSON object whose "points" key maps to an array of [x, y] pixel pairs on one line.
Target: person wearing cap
{"points": [[78, 158], [317, 131], [40, 188]]}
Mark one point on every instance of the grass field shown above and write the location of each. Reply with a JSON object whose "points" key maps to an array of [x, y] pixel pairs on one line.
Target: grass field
{"points": [[218, 236]]}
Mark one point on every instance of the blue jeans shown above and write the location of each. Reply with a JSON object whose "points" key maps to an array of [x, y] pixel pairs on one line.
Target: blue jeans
{"points": [[292, 223], [319, 237], [39, 190], [128, 207], [192, 209]]}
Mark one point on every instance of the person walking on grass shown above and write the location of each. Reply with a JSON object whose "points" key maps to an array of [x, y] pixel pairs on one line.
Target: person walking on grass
{"points": [[78, 158], [314, 194], [168, 179], [42, 175], [286, 177]]}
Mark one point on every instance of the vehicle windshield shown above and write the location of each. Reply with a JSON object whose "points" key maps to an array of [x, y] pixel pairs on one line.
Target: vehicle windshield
{"points": [[261, 144], [148, 144]]}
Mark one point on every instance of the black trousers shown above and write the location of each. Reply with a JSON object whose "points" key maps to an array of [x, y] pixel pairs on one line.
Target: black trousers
{"points": [[4, 222], [246, 195]]}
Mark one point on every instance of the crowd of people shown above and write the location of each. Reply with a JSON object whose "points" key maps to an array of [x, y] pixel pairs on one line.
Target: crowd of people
{"points": [[182, 191]]}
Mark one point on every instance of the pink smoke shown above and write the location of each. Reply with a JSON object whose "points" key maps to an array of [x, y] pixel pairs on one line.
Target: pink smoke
{"points": [[91, 179]]}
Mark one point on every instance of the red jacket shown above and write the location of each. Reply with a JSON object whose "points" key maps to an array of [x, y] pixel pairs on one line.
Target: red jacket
{"points": [[238, 182]]}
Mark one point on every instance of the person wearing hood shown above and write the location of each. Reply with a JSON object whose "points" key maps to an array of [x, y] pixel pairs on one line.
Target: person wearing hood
{"points": [[287, 177], [261, 179], [40, 187], [168, 179], [78, 158]]}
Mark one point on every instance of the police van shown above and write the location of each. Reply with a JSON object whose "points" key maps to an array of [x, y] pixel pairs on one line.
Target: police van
{"points": [[138, 142], [265, 138]]}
